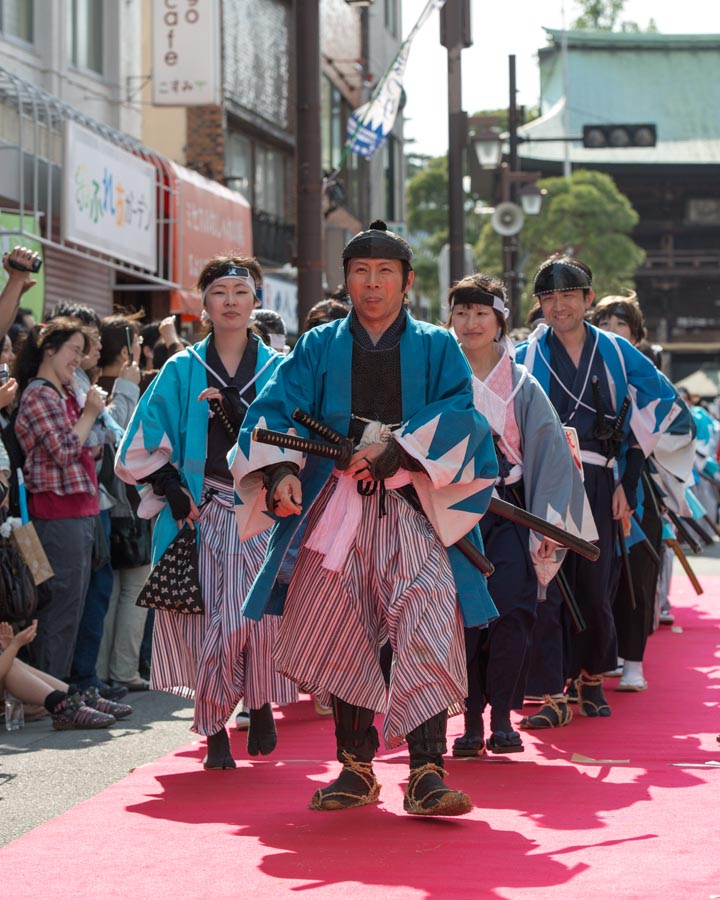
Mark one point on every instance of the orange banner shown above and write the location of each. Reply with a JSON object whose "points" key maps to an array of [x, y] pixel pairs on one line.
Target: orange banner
{"points": [[211, 220]]}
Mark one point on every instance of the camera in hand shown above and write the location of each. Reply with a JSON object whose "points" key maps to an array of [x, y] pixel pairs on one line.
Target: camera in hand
{"points": [[35, 266], [4, 374]]}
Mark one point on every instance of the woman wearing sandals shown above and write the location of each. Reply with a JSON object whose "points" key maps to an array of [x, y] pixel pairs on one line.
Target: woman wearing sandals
{"points": [[176, 445], [537, 472]]}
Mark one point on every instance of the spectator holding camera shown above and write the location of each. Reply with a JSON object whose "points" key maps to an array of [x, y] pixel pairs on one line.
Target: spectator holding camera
{"points": [[52, 429], [103, 439], [19, 264]]}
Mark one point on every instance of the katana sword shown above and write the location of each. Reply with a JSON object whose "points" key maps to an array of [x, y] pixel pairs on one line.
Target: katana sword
{"points": [[570, 602], [699, 531], [684, 562], [342, 449], [341, 453]]}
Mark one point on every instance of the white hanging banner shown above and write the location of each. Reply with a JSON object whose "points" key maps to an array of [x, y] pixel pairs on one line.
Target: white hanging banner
{"points": [[370, 124], [185, 52], [108, 199]]}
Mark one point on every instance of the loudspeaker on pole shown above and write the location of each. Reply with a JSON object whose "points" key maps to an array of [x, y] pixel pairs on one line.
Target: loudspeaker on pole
{"points": [[507, 219]]}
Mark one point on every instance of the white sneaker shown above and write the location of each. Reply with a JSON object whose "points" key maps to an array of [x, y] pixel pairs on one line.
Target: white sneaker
{"points": [[666, 617]]}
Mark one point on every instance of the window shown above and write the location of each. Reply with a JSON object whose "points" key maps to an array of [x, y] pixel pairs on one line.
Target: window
{"points": [[334, 114], [16, 19], [391, 17], [85, 30], [238, 164], [270, 181], [332, 124]]}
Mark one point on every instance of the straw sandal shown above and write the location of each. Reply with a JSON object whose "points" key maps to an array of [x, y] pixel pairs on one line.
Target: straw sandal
{"points": [[356, 785], [555, 713], [591, 697], [436, 799]]}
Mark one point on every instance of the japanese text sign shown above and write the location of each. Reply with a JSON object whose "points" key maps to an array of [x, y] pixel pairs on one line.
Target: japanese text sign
{"points": [[109, 199], [185, 52]]}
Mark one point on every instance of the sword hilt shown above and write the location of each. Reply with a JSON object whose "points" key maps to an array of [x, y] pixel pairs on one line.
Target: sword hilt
{"points": [[320, 428], [341, 453]]}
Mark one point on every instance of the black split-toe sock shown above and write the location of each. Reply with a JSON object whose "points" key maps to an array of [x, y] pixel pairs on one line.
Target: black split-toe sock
{"points": [[262, 736], [218, 752]]}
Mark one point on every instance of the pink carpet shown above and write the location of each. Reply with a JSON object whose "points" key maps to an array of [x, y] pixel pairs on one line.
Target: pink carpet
{"points": [[618, 808]]}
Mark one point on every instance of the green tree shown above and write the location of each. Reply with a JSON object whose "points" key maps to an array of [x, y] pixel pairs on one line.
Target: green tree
{"points": [[604, 15], [585, 215], [426, 201]]}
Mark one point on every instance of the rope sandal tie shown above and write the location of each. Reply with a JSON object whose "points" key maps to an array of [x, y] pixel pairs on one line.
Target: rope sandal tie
{"points": [[591, 697], [554, 713], [448, 803], [345, 792]]}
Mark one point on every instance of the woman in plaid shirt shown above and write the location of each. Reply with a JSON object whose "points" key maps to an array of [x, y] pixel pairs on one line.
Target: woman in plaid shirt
{"points": [[60, 476]]}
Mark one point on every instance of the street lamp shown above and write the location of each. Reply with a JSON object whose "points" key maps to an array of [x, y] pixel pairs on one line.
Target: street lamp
{"points": [[531, 198], [488, 147]]}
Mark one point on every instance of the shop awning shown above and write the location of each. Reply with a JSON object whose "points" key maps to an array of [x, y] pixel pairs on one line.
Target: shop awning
{"points": [[211, 220]]}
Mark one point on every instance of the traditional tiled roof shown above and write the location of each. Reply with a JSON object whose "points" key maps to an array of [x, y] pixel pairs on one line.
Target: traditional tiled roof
{"points": [[672, 81]]}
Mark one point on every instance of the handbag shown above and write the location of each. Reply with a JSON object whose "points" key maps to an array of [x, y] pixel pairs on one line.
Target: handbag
{"points": [[130, 542], [18, 594], [174, 585], [32, 552]]}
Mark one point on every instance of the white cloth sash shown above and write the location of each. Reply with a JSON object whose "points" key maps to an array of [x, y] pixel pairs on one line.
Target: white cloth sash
{"points": [[590, 458], [337, 527]]}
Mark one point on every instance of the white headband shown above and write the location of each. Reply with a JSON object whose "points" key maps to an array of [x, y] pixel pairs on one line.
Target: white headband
{"points": [[249, 281]]}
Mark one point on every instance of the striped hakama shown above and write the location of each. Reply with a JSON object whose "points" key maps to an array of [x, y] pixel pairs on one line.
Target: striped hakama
{"points": [[220, 657], [395, 584]]}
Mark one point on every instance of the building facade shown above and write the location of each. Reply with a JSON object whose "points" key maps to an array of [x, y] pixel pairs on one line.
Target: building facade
{"points": [[247, 140], [125, 198], [673, 83]]}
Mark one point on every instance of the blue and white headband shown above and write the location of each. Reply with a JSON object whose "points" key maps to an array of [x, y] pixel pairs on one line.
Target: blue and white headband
{"points": [[237, 273]]}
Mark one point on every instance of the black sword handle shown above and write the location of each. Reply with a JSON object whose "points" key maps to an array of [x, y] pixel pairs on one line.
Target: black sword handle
{"points": [[616, 437], [622, 415], [217, 408], [320, 428], [340, 453], [602, 430]]}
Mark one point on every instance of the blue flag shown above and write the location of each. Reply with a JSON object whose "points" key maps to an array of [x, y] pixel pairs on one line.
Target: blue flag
{"points": [[370, 124]]}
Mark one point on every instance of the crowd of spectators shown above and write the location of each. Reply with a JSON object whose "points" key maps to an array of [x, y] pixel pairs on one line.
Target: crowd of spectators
{"points": [[70, 387]]}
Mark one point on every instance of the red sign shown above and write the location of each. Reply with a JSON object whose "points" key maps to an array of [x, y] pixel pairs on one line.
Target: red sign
{"points": [[211, 220]]}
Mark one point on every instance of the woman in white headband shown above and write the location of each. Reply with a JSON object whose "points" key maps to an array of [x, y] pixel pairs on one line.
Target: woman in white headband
{"points": [[177, 443], [537, 472]]}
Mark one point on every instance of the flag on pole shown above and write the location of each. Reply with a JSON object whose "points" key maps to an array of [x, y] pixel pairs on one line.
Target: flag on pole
{"points": [[370, 124]]}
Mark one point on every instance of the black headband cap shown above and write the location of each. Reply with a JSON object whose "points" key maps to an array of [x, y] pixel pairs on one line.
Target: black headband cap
{"points": [[378, 243], [561, 276]]}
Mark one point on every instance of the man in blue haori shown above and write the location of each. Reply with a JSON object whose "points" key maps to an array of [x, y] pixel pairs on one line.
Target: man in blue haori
{"points": [[588, 375], [376, 561]]}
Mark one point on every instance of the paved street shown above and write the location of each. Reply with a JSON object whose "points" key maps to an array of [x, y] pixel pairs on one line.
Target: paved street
{"points": [[44, 772]]}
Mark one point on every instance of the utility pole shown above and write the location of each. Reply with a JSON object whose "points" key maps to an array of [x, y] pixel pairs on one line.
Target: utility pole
{"points": [[510, 242], [309, 218], [456, 34]]}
